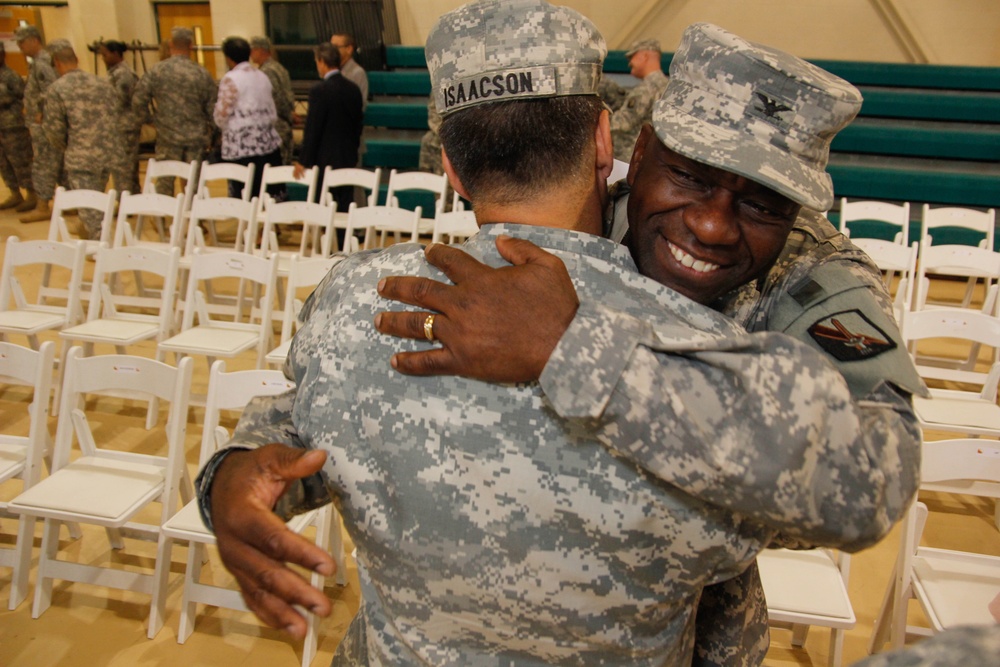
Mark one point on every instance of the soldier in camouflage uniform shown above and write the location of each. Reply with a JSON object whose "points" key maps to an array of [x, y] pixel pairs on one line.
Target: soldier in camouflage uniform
{"points": [[15, 140], [45, 166], [637, 107], [281, 89], [769, 123], [123, 80], [430, 143], [493, 526], [79, 120], [184, 96]]}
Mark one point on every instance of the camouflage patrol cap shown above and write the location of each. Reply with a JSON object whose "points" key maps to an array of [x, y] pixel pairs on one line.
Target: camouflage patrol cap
{"points": [[26, 31], [643, 45], [496, 50], [754, 111]]}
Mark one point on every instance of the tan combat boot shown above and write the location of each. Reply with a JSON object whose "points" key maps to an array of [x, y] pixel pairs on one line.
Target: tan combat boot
{"points": [[39, 214], [28, 203], [15, 199]]}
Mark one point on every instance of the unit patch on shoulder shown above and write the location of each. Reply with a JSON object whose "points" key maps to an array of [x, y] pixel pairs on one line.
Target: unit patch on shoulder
{"points": [[850, 336]]}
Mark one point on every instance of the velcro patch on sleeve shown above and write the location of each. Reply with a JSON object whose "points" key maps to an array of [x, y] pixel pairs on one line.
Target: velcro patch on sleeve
{"points": [[850, 336]]}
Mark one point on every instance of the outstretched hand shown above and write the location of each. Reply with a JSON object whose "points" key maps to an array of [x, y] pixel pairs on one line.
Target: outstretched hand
{"points": [[256, 545], [499, 325]]}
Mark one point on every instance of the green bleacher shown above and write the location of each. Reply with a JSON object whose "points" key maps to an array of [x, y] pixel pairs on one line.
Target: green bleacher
{"points": [[926, 133]]}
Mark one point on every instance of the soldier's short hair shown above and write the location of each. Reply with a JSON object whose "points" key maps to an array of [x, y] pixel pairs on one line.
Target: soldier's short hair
{"points": [[115, 46], [328, 54], [260, 42], [181, 37], [62, 51], [348, 38], [25, 31], [236, 49]]}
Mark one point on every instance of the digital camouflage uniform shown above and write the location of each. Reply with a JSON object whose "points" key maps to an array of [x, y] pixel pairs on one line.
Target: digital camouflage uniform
{"points": [[15, 140], [965, 645], [491, 530], [183, 94], [45, 166], [635, 109], [430, 143], [611, 93], [284, 104], [126, 165], [79, 123]]}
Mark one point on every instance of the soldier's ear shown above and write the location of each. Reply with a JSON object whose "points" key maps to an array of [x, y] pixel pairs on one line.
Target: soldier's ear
{"points": [[453, 178], [605, 158]]}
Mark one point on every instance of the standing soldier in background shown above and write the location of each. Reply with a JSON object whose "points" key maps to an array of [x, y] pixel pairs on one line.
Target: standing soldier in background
{"points": [[281, 90], [15, 141], [79, 116], [123, 80], [45, 165], [637, 107], [349, 67], [184, 94], [430, 143]]}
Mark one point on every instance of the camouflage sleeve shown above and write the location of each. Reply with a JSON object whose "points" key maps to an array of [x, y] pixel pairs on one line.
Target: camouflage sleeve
{"points": [[11, 90], [635, 108], [54, 123], [763, 425], [284, 98], [141, 98], [962, 645]]}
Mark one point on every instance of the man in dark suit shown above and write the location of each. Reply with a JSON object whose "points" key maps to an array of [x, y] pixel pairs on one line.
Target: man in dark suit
{"points": [[334, 122]]}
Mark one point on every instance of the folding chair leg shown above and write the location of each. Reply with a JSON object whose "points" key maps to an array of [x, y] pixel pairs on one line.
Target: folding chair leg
{"points": [[161, 577], [335, 543], [115, 538], [193, 576], [800, 632], [311, 640], [836, 647], [880, 631], [43, 583], [22, 561]]}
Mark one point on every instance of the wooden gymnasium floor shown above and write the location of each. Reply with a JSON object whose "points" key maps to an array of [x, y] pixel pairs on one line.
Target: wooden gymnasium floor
{"points": [[88, 626]]}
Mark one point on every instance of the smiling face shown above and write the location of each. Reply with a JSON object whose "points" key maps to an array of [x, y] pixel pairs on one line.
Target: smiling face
{"points": [[701, 230]]}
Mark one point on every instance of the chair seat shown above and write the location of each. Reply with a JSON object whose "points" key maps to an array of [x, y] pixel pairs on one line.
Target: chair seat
{"points": [[956, 588], [117, 331], [955, 413], [13, 452], [215, 341], [805, 582], [108, 492], [278, 354], [187, 524], [31, 320]]}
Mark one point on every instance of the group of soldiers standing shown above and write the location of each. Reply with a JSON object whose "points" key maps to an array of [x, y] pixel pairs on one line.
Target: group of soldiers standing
{"points": [[64, 125]]}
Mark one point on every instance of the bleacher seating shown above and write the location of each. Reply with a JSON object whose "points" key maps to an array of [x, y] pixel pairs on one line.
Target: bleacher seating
{"points": [[926, 133]]}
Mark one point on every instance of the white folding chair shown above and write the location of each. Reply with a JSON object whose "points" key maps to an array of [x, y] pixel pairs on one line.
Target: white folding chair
{"points": [[420, 181], [107, 485], [17, 315], [121, 319], [303, 272], [102, 203], [285, 175], [456, 225], [382, 220], [132, 209], [894, 258], [231, 392], [21, 455], [806, 588], [211, 174], [359, 178], [238, 213], [975, 263], [953, 587], [969, 411], [893, 219], [255, 279], [309, 215], [169, 169]]}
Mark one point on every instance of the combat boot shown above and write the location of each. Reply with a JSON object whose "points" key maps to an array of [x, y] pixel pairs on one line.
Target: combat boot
{"points": [[39, 214], [15, 199], [27, 203]]}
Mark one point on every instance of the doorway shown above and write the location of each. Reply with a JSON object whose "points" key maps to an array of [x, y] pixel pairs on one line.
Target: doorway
{"points": [[198, 17]]}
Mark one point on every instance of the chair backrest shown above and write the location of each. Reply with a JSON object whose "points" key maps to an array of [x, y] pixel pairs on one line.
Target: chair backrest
{"points": [[894, 258], [48, 254], [894, 217], [310, 214], [302, 272], [964, 465], [969, 327], [70, 200], [955, 260], [232, 391], [382, 219], [24, 366], [285, 174], [217, 209], [363, 178], [107, 294], [153, 205], [400, 181], [244, 269], [226, 171], [454, 224], [981, 222], [188, 171]]}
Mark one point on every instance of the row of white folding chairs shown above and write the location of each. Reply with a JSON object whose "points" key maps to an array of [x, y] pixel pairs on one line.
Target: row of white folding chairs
{"points": [[109, 485]]}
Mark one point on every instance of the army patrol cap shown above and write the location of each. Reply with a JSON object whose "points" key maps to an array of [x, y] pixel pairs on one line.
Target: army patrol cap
{"points": [[644, 45], [26, 31], [754, 111], [496, 50], [260, 42]]}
